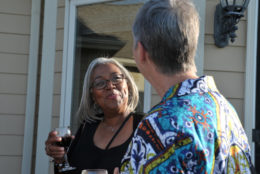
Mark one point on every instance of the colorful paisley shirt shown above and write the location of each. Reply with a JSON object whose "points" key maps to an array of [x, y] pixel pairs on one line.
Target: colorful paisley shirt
{"points": [[194, 129]]}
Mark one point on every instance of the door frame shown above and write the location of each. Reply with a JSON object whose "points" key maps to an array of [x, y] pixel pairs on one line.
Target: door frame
{"points": [[250, 74], [68, 62]]}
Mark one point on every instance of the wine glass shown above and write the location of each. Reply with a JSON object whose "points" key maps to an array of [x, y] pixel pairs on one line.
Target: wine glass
{"points": [[65, 134], [94, 171]]}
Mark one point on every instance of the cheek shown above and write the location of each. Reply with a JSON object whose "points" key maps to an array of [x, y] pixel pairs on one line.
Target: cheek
{"points": [[125, 91], [96, 97]]}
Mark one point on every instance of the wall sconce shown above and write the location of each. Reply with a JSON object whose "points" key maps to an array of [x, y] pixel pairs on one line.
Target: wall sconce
{"points": [[227, 15]]}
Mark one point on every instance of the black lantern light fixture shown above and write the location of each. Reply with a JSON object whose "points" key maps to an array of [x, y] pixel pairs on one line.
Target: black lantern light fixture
{"points": [[227, 15]]}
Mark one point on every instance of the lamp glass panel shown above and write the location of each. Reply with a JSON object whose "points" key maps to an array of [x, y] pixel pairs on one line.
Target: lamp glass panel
{"points": [[231, 2], [240, 2], [223, 3]]}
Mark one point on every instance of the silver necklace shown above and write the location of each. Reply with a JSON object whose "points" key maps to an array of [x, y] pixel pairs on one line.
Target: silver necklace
{"points": [[111, 128]]}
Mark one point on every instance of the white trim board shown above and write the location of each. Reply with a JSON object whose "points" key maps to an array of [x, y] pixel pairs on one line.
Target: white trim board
{"points": [[31, 87], [46, 85], [250, 75]]}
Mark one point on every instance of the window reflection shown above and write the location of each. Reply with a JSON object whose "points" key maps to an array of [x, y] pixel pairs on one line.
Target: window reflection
{"points": [[104, 30]]}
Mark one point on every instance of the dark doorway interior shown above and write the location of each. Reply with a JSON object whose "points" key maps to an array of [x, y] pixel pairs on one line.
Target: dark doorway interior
{"points": [[257, 116]]}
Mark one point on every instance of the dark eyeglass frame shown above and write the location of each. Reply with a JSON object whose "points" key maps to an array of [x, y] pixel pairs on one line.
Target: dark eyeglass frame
{"points": [[115, 80]]}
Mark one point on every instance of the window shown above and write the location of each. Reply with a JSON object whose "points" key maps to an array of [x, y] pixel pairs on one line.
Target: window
{"points": [[102, 29]]}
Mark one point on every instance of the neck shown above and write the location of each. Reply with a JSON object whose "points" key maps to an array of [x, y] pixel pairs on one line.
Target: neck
{"points": [[162, 82], [115, 119]]}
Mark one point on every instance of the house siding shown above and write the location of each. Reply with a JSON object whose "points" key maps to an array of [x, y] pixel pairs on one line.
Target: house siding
{"points": [[227, 65], [14, 50]]}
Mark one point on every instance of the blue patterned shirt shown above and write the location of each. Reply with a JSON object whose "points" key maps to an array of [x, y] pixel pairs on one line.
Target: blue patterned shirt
{"points": [[194, 129]]}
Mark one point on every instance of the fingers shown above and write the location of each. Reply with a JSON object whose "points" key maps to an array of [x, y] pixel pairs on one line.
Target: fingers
{"points": [[52, 138], [51, 148]]}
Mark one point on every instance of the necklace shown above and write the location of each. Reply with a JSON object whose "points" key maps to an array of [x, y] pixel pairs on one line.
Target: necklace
{"points": [[114, 128], [111, 128]]}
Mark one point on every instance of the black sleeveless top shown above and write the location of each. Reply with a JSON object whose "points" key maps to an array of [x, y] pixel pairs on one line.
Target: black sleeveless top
{"points": [[83, 154]]}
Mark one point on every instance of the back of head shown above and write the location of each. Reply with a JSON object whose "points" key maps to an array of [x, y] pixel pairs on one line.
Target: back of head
{"points": [[168, 30]]}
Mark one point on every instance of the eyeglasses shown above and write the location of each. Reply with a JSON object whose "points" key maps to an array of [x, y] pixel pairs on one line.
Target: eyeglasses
{"points": [[102, 83]]}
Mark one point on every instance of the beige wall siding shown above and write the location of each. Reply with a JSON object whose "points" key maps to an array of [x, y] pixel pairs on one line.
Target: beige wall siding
{"points": [[227, 65], [14, 49]]}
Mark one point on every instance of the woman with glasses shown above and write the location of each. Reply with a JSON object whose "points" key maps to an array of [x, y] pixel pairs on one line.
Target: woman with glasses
{"points": [[106, 111]]}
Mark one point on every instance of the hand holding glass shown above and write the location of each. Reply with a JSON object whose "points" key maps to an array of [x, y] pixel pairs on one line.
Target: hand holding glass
{"points": [[65, 134]]}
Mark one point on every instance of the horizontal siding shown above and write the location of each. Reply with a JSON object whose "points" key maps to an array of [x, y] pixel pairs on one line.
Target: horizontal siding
{"points": [[9, 23], [9, 122], [60, 17], [56, 105], [13, 63], [59, 39], [16, 44], [10, 164], [16, 7], [230, 84], [61, 3], [15, 18], [57, 84], [239, 106], [12, 104], [228, 59], [55, 122], [11, 145], [13, 83], [58, 62]]}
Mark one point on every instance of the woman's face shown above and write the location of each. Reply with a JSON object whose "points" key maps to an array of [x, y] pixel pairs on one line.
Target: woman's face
{"points": [[112, 97]]}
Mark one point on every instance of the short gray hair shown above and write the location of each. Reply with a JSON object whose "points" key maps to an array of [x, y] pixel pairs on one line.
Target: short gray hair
{"points": [[168, 30], [87, 110]]}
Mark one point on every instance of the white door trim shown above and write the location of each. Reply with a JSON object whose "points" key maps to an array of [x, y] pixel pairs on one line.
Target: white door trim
{"points": [[250, 74], [31, 87], [68, 58], [46, 85]]}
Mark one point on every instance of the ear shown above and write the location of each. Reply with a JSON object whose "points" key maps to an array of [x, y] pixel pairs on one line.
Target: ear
{"points": [[143, 54]]}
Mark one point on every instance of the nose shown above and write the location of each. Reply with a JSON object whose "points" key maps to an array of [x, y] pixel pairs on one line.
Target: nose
{"points": [[109, 84]]}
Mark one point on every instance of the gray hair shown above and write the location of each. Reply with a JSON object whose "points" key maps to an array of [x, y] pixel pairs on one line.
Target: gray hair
{"points": [[168, 30], [87, 109]]}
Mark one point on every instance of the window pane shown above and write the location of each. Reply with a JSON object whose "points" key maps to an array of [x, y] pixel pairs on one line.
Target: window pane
{"points": [[104, 30]]}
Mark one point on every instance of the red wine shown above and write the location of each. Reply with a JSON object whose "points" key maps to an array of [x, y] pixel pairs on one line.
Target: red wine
{"points": [[65, 142]]}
